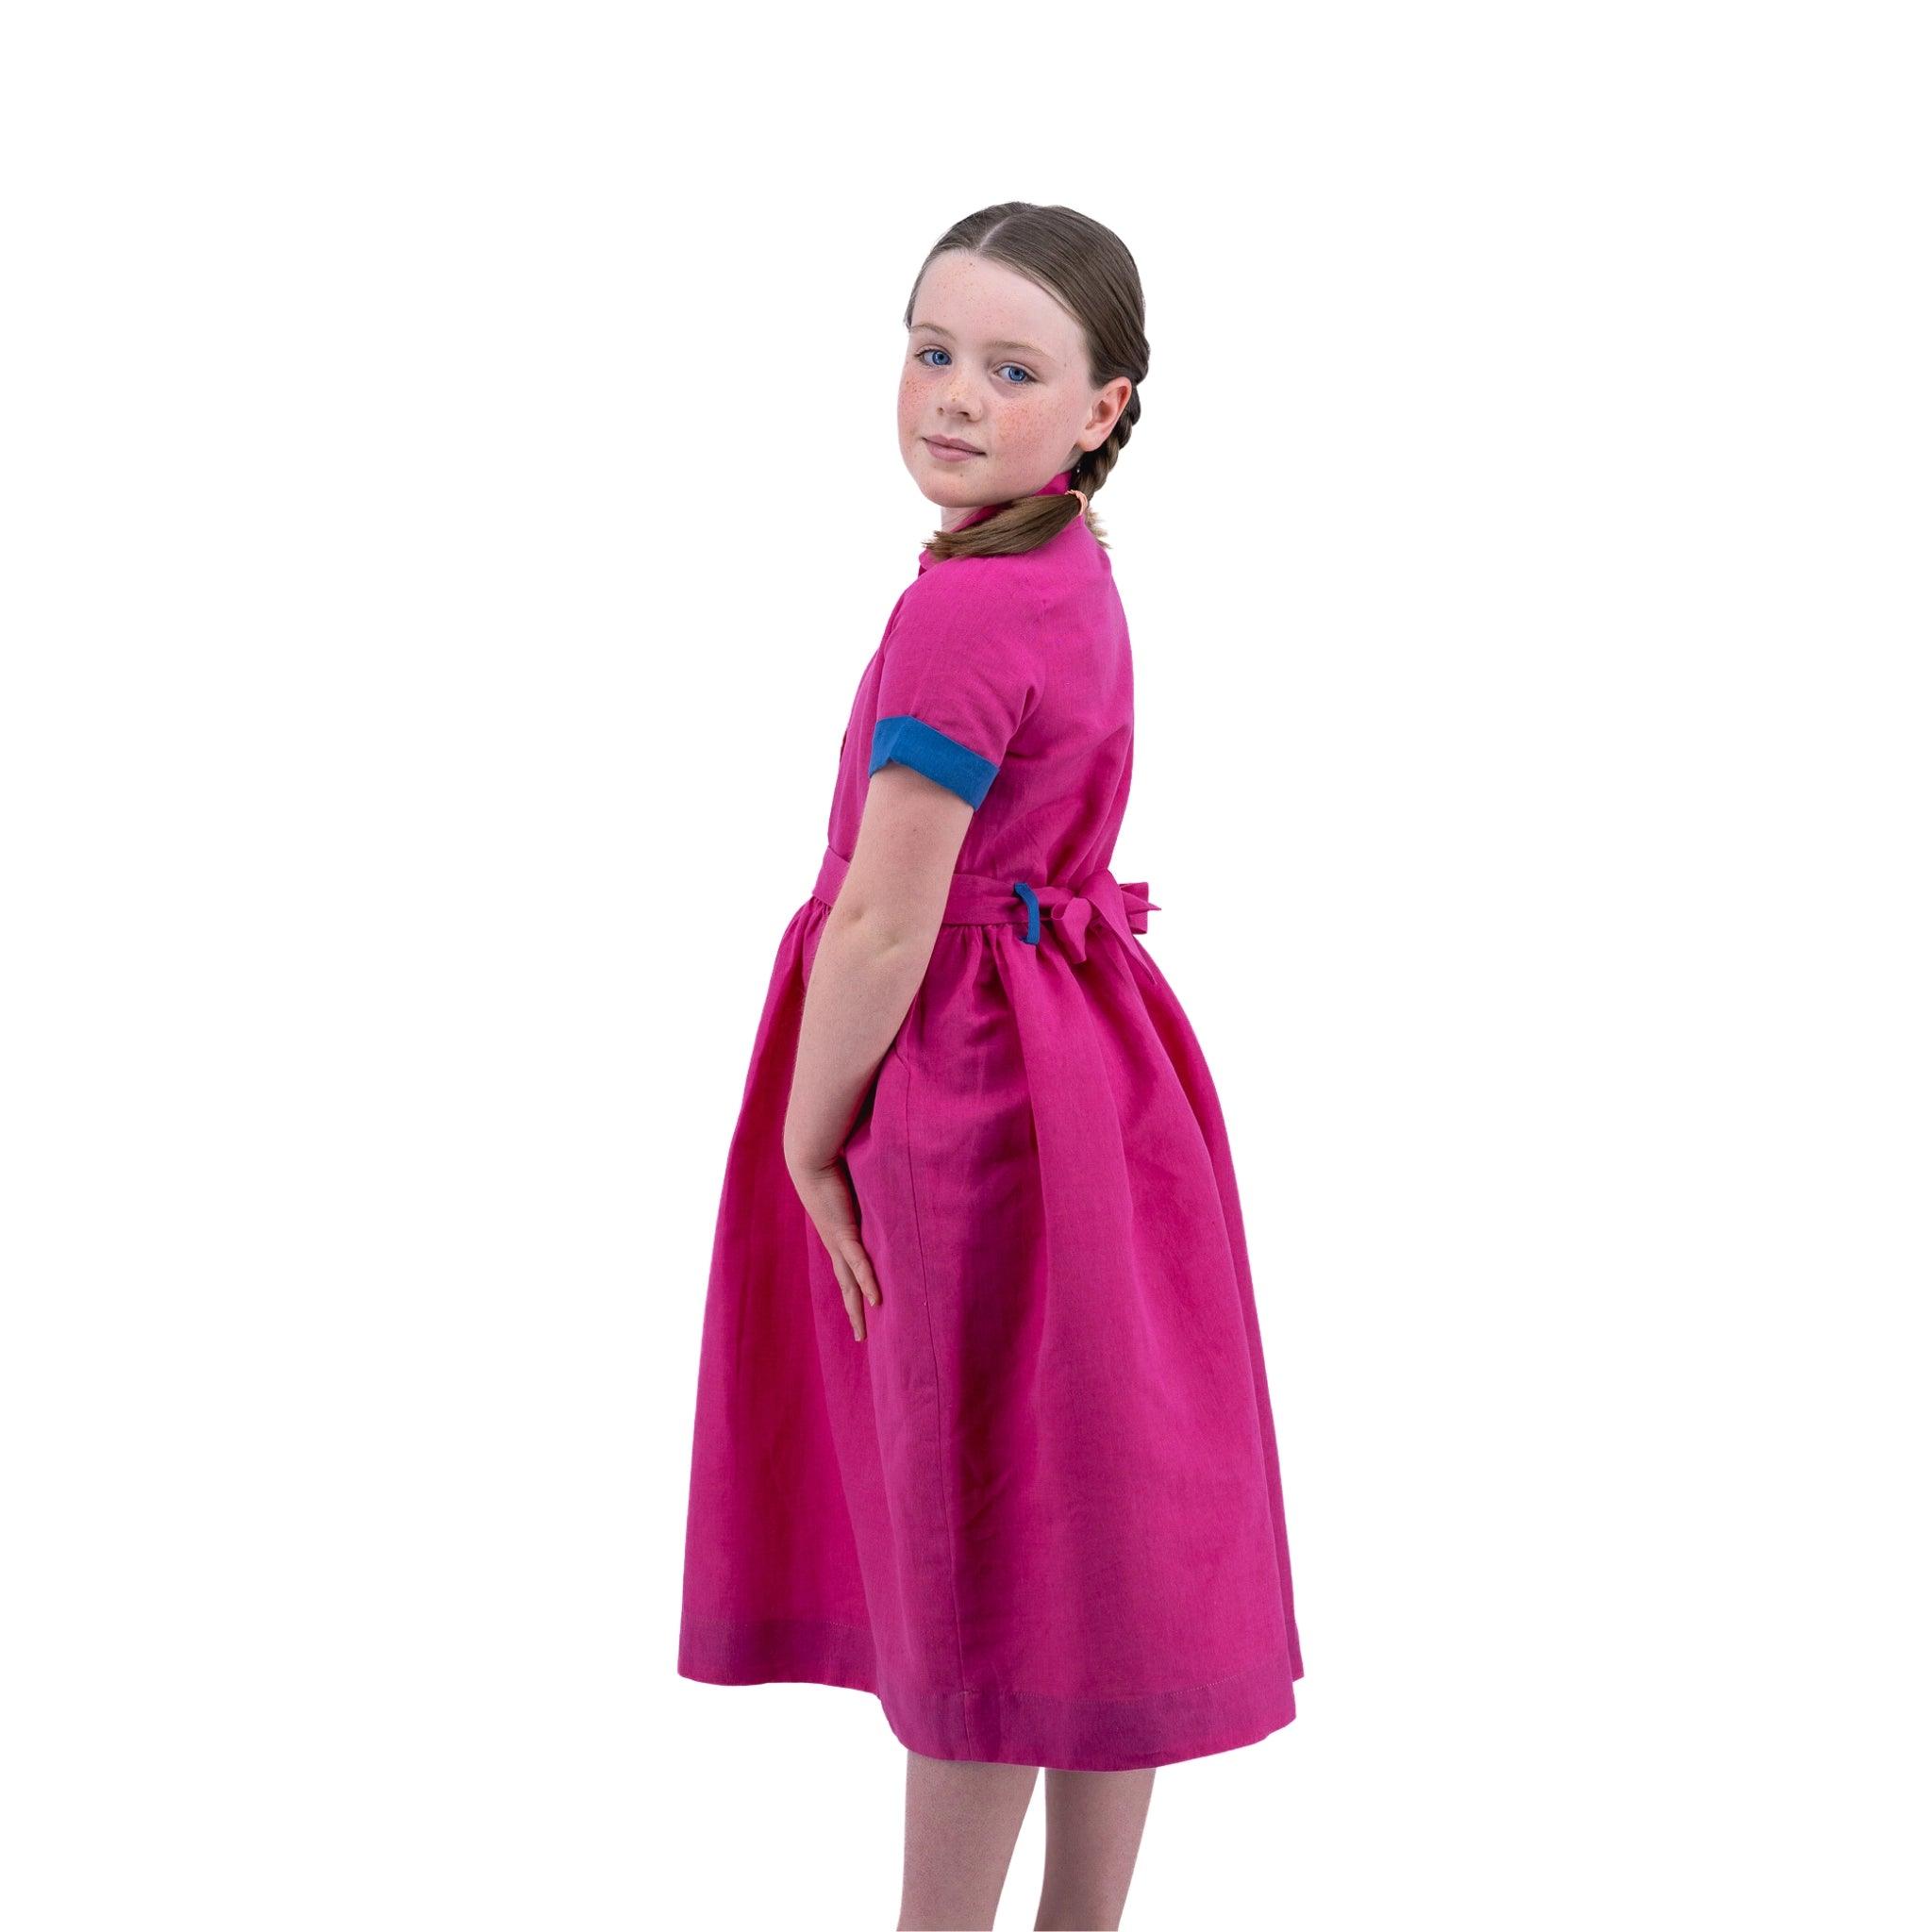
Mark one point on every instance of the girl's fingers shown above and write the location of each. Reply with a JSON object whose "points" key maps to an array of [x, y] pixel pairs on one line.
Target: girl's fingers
{"points": [[849, 1293], [834, 1241], [830, 1204], [861, 1264]]}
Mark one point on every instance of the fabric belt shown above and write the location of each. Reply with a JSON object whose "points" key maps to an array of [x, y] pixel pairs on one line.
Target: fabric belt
{"points": [[978, 899]]}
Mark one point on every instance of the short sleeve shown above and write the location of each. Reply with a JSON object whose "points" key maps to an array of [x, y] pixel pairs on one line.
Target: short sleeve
{"points": [[961, 671]]}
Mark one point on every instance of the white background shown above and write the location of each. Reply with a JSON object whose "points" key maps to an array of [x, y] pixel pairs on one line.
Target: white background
{"points": [[450, 492]]}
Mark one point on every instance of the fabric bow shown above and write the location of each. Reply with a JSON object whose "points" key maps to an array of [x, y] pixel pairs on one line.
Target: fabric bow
{"points": [[1124, 908]]}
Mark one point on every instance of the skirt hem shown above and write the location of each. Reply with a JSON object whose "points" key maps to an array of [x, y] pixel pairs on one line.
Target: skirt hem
{"points": [[998, 1727]]}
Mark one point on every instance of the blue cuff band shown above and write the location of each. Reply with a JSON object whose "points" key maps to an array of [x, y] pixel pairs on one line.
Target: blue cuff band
{"points": [[909, 741]]}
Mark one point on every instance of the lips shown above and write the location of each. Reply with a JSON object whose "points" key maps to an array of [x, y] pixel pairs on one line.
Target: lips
{"points": [[953, 445]]}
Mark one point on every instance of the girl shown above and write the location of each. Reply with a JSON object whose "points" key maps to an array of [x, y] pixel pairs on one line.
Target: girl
{"points": [[982, 1417]]}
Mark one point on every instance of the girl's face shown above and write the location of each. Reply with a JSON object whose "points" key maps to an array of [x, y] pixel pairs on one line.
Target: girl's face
{"points": [[995, 363]]}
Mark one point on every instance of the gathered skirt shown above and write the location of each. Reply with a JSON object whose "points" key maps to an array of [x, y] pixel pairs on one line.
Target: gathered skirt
{"points": [[1038, 1511]]}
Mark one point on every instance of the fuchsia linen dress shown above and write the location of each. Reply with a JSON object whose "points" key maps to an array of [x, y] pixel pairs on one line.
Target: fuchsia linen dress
{"points": [[1038, 1511]]}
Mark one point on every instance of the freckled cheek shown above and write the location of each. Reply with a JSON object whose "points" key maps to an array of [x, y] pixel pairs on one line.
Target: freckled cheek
{"points": [[1024, 419]]}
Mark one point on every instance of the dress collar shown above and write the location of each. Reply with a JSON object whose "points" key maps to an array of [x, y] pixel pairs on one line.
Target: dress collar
{"points": [[1057, 486]]}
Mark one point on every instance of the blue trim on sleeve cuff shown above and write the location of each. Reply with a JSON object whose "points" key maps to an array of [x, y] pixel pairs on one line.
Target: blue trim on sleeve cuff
{"points": [[908, 741]]}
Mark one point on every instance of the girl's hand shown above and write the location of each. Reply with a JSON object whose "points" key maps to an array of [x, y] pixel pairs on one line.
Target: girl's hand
{"points": [[827, 1192]]}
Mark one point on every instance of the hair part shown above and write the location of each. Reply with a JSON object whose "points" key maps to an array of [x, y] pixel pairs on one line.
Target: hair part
{"points": [[1086, 267]]}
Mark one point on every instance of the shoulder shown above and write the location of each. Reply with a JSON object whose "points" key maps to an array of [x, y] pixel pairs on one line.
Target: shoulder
{"points": [[983, 587], [991, 606], [968, 623]]}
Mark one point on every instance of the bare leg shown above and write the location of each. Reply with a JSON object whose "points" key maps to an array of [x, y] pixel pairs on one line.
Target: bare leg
{"points": [[1093, 1820], [962, 1821]]}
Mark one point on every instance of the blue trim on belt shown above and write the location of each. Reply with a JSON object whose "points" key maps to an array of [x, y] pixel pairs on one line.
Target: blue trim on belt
{"points": [[1032, 899]]}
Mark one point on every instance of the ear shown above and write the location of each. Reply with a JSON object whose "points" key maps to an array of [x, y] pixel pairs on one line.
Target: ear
{"points": [[1109, 403]]}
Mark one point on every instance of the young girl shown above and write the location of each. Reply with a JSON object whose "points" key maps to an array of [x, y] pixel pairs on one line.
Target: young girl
{"points": [[982, 1417]]}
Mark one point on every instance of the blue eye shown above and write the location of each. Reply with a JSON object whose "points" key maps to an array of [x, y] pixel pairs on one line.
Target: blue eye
{"points": [[920, 355]]}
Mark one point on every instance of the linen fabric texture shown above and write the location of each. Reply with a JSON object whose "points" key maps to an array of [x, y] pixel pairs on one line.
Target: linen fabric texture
{"points": [[1038, 1511]]}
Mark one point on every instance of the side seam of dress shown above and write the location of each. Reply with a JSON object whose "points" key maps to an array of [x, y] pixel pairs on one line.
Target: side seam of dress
{"points": [[938, 1401]]}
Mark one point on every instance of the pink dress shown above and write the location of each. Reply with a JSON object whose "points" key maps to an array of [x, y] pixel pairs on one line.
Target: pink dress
{"points": [[1038, 1511]]}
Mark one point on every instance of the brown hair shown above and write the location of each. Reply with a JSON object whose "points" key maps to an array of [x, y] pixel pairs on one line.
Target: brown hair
{"points": [[1086, 267]]}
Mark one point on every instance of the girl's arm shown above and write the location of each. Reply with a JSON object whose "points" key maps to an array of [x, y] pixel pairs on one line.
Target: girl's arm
{"points": [[872, 955]]}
